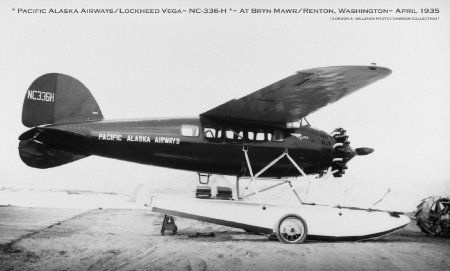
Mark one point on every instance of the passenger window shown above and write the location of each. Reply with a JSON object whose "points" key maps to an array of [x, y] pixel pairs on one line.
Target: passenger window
{"points": [[269, 136], [189, 130], [278, 136], [233, 135], [229, 134], [260, 136], [212, 133], [209, 132], [250, 135]]}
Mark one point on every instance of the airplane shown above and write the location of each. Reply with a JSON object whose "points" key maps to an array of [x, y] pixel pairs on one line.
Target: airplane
{"points": [[262, 135], [67, 125]]}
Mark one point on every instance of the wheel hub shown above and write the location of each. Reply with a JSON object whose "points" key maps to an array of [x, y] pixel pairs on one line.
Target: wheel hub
{"points": [[291, 229]]}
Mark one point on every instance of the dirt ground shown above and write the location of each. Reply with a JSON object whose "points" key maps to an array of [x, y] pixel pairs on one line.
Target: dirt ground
{"points": [[21, 221], [112, 239]]}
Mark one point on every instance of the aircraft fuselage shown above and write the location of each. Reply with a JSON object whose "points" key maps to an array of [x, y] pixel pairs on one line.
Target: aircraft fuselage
{"points": [[198, 145]]}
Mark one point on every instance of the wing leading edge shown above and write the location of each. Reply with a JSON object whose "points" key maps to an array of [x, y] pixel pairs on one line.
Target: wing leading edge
{"points": [[297, 96]]}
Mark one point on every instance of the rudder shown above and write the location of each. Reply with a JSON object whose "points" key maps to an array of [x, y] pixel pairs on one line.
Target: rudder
{"points": [[56, 98]]}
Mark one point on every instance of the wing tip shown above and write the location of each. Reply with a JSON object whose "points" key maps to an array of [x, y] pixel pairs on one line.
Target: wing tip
{"points": [[381, 70]]}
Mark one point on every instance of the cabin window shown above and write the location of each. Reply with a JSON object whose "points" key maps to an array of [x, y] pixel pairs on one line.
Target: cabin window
{"points": [[250, 135], [294, 124], [278, 136], [260, 136], [209, 132], [189, 130], [212, 133], [229, 134], [234, 135]]}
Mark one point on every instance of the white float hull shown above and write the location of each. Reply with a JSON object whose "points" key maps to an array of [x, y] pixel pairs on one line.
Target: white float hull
{"points": [[323, 222]]}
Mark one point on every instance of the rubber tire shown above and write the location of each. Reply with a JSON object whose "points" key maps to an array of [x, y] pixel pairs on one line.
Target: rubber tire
{"points": [[278, 234]]}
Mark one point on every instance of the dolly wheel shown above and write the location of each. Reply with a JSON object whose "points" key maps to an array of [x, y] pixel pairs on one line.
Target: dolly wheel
{"points": [[291, 229]]}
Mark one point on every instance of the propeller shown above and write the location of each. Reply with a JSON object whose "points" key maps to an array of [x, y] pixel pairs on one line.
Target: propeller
{"points": [[342, 152]]}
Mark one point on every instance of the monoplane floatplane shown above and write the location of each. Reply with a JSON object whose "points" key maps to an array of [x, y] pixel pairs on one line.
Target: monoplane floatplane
{"points": [[264, 135]]}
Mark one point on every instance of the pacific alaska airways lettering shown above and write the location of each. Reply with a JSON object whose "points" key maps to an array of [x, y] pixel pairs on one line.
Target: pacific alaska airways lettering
{"points": [[169, 140], [135, 138], [139, 138], [110, 137]]}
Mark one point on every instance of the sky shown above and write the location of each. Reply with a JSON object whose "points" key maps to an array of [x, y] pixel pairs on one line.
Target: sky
{"points": [[173, 65]]}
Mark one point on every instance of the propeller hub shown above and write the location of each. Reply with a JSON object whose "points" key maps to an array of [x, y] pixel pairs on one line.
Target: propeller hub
{"points": [[363, 151]]}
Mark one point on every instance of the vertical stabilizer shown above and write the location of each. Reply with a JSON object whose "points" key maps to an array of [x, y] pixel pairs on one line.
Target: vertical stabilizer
{"points": [[55, 98]]}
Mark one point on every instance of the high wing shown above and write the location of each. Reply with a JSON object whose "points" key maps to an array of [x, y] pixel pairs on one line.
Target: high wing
{"points": [[297, 96]]}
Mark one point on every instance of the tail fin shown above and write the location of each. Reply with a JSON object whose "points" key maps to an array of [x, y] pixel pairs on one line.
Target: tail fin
{"points": [[55, 98]]}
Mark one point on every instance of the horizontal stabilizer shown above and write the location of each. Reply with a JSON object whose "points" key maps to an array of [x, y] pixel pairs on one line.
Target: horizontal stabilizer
{"points": [[42, 147], [38, 155]]}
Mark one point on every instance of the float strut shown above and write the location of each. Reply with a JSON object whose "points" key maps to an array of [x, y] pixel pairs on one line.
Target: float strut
{"points": [[237, 188], [295, 192], [265, 189], [253, 177]]}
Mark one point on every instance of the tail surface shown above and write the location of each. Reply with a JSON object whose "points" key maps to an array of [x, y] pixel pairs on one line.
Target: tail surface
{"points": [[43, 147], [56, 98], [53, 99]]}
